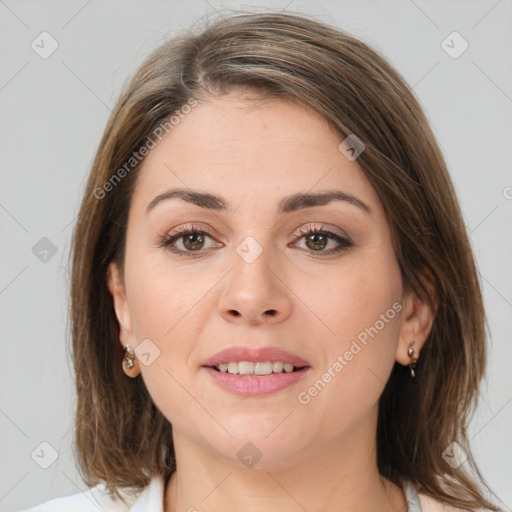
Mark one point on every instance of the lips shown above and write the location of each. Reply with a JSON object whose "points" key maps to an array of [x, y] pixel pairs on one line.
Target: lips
{"points": [[255, 355], [251, 385]]}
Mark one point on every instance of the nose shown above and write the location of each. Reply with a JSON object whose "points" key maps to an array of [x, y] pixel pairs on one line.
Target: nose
{"points": [[255, 293]]}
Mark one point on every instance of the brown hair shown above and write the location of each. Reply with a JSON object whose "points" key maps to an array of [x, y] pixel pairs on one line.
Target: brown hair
{"points": [[121, 437]]}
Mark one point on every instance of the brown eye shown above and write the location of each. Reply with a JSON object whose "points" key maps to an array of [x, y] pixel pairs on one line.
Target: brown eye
{"points": [[189, 241], [316, 241], [193, 241]]}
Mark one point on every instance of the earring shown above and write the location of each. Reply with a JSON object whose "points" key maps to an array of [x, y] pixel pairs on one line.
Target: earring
{"points": [[129, 357], [410, 353]]}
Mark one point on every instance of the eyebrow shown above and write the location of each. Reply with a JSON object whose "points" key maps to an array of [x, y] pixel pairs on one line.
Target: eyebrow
{"points": [[289, 204]]}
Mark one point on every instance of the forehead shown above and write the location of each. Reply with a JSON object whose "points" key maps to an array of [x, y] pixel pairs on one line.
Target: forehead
{"points": [[245, 148]]}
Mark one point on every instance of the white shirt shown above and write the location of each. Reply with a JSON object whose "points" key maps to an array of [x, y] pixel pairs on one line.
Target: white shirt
{"points": [[96, 499], [151, 499]]}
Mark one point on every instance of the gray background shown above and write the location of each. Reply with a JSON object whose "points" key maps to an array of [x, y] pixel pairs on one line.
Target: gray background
{"points": [[54, 111]]}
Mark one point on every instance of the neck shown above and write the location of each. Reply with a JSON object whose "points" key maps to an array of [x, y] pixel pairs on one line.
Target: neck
{"points": [[340, 475]]}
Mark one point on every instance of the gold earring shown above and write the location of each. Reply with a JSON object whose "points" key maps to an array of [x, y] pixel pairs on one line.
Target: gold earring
{"points": [[410, 353], [129, 357]]}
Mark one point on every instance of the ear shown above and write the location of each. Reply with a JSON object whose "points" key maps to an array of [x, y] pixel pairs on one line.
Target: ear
{"points": [[417, 321], [116, 287]]}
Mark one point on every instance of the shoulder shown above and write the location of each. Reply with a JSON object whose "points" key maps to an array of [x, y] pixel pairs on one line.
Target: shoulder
{"points": [[429, 504], [97, 498], [418, 501]]}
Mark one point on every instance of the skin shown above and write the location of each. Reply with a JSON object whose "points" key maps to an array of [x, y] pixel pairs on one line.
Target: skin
{"points": [[316, 456]]}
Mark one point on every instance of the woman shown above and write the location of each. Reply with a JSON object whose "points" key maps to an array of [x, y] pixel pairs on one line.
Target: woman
{"points": [[274, 300]]}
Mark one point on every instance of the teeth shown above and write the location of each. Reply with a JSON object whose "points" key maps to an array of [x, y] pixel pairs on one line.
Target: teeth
{"points": [[277, 366], [263, 368], [258, 368], [246, 368]]}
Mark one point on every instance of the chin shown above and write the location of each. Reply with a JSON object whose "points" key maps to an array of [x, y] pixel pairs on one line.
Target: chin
{"points": [[258, 445]]}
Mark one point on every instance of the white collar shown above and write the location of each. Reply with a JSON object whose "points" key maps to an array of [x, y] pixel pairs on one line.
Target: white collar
{"points": [[411, 494], [151, 498]]}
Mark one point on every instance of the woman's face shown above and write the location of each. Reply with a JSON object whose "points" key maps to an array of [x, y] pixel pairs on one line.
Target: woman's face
{"points": [[248, 276]]}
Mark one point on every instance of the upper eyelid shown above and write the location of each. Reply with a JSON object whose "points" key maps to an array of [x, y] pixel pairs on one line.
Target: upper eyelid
{"points": [[314, 225], [318, 226]]}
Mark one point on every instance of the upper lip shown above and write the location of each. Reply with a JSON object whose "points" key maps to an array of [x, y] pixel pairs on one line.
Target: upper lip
{"points": [[262, 354]]}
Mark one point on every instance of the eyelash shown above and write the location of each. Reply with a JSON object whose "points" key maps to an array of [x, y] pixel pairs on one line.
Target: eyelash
{"points": [[167, 242]]}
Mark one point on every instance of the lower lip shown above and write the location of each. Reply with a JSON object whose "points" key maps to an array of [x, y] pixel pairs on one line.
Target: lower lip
{"points": [[254, 386]]}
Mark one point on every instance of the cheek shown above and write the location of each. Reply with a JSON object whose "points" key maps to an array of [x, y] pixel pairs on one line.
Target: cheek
{"points": [[161, 297], [361, 306], [353, 296], [170, 307]]}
